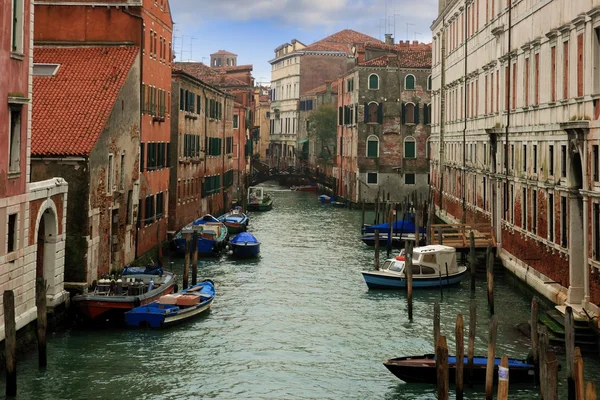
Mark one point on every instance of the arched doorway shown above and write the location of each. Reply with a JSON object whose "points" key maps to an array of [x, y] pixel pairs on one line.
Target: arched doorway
{"points": [[47, 238]]}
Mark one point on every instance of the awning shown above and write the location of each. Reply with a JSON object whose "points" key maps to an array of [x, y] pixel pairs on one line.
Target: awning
{"points": [[302, 141]]}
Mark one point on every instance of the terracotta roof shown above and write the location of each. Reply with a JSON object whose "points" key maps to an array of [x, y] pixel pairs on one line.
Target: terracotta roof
{"points": [[70, 109], [224, 52], [415, 45], [212, 76], [402, 59], [235, 67], [321, 89], [264, 98], [341, 41]]}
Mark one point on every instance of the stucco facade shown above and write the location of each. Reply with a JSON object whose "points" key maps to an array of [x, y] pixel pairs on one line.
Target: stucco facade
{"points": [[515, 135]]}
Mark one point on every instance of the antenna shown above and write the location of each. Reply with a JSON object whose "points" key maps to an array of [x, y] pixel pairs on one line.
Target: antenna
{"points": [[407, 25]]}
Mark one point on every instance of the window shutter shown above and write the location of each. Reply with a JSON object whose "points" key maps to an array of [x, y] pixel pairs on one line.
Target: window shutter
{"points": [[417, 114], [425, 114], [142, 165], [403, 113], [366, 112], [380, 113]]}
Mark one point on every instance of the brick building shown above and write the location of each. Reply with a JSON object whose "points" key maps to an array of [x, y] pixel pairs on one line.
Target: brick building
{"points": [[147, 25], [384, 117], [515, 135], [201, 150], [96, 151], [32, 214], [262, 121]]}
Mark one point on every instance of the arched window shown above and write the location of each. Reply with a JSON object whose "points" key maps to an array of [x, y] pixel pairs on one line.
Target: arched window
{"points": [[427, 114], [372, 146], [409, 82], [410, 147], [373, 110], [429, 82], [373, 81], [409, 113], [428, 148]]}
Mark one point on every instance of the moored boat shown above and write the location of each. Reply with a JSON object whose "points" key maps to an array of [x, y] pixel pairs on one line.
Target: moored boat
{"points": [[422, 369], [235, 220], [245, 245], [324, 199], [211, 234], [111, 297], [173, 308], [304, 188], [432, 266], [258, 200]]}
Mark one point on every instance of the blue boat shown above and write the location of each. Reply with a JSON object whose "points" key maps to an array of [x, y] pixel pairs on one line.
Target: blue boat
{"points": [[324, 199], [235, 220], [433, 266], [399, 227], [212, 235], [173, 308], [245, 245]]}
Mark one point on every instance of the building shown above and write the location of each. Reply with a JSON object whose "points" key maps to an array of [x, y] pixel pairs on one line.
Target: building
{"points": [[262, 124], [314, 152], [201, 153], [147, 25], [32, 214], [515, 135], [86, 129], [384, 117]]}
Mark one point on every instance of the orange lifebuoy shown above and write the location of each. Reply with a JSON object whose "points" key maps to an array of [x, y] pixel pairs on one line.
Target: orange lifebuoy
{"points": [[400, 258]]}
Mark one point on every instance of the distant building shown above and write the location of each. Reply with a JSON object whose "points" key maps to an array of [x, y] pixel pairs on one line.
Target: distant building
{"points": [[262, 121], [32, 214], [223, 58], [384, 117], [201, 150], [86, 115]]}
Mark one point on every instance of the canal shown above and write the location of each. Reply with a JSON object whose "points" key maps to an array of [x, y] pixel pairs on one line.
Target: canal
{"points": [[298, 323]]}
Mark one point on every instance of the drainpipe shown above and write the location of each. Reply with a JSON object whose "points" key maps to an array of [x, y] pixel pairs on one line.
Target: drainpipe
{"points": [[464, 168], [442, 111], [223, 151], [506, 147]]}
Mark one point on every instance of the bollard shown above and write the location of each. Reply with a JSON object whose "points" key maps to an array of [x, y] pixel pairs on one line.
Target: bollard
{"points": [[569, 351], [503, 376], [472, 329], [490, 277], [436, 323], [460, 356], [491, 357], [441, 361], [195, 258], [10, 343], [376, 249], [578, 375], [535, 340], [472, 260], [552, 378], [42, 321], [186, 261], [409, 279], [590, 391], [543, 350]]}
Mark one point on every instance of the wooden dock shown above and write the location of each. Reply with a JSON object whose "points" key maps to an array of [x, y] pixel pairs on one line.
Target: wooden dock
{"points": [[458, 235]]}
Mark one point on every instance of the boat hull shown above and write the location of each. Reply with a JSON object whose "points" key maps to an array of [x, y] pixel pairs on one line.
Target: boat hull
{"points": [[260, 206], [375, 280], [397, 241], [422, 369], [245, 250]]}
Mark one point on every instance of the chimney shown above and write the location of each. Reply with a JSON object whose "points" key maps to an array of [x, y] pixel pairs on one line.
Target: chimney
{"points": [[415, 42], [328, 87], [389, 39]]}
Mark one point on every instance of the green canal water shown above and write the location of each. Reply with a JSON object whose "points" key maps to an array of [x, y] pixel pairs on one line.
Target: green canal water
{"points": [[298, 323]]}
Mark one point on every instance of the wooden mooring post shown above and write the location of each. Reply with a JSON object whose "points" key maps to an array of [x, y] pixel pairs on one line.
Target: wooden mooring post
{"points": [[578, 375], [195, 258], [10, 343], [552, 376], [441, 360], [590, 391], [490, 277], [543, 350], [409, 279], [376, 249], [460, 357], [471, 343], [362, 216], [472, 260], [42, 321], [503, 377], [186, 260], [390, 231], [535, 339], [491, 357], [570, 351], [436, 323]]}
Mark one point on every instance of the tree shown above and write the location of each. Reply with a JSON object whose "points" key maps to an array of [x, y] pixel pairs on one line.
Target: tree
{"points": [[323, 127]]}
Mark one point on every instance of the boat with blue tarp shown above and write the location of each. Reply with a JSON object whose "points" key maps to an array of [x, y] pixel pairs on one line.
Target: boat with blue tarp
{"points": [[235, 220], [174, 308], [399, 227], [211, 233], [245, 245]]}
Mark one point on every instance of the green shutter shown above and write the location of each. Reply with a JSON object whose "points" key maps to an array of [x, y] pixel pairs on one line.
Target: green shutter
{"points": [[410, 82], [380, 113], [372, 147], [409, 149], [417, 113], [403, 113]]}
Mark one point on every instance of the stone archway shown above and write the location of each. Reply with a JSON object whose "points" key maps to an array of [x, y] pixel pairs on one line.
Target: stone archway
{"points": [[46, 241]]}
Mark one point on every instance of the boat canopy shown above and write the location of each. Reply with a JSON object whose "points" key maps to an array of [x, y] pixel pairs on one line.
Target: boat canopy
{"points": [[400, 226], [244, 237], [205, 219], [437, 256]]}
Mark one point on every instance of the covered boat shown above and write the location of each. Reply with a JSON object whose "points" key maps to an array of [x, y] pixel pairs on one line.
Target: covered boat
{"points": [[399, 227], [324, 199], [174, 308], [422, 369], [211, 234], [258, 200], [245, 245], [111, 297], [235, 220], [432, 266]]}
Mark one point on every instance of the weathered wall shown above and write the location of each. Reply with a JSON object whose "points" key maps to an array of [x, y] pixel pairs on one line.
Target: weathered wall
{"points": [[316, 69]]}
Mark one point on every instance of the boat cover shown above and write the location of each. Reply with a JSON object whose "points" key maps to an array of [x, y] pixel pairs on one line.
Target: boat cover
{"points": [[400, 226], [244, 237], [205, 219], [147, 270]]}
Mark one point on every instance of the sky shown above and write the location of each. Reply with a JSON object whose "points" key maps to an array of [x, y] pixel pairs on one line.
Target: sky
{"points": [[252, 29]]}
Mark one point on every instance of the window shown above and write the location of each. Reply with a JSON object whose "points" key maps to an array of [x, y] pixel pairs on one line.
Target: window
{"points": [[553, 74], [566, 70], [372, 178], [524, 207], [410, 147], [534, 211], [596, 233], [409, 113], [580, 65], [149, 210], [373, 81], [595, 164], [563, 221], [409, 82], [551, 217], [429, 82], [372, 146], [551, 160], [537, 79], [159, 205], [122, 172], [534, 158], [236, 122], [373, 113], [142, 162], [563, 161], [524, 158], [14, 156], [12, 233], [17, 26], [409, 179], [110, 176], [527, 82]]}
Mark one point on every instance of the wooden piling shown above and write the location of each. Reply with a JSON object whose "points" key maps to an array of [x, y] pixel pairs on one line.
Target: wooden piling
{"points": [[490, 277], [376, 249], [535, 340], [42, 322], [543, 350], [460, 356], [10, 343], [417, 225], [409, 279], [362, 215], [186, 261], [440, 238], [471, 343], [441, 360], [578, 375], [570, 351], [552, 377], [590, 391], [472, 260], [195, 258], [390, 231], [503, 376], [489, 372], [436, 323]]}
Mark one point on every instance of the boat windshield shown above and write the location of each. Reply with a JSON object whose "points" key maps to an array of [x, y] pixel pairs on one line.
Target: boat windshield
{"points": [[396, 266]]}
